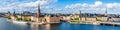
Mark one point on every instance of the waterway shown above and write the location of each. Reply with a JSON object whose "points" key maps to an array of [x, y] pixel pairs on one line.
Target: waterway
{"points": [[6, 25]]}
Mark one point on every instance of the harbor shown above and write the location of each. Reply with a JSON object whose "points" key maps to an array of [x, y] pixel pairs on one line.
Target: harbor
{"points": [[6, 25], [60, 15]]}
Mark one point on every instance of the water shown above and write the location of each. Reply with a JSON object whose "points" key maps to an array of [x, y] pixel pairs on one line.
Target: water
{"points": [[6, 25]]}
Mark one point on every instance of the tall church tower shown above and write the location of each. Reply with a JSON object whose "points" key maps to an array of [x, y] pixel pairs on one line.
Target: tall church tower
{"points": [[38, 11]]}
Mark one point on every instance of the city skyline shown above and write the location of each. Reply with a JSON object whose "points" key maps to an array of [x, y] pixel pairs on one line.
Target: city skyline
{"points": [[61, 6]]}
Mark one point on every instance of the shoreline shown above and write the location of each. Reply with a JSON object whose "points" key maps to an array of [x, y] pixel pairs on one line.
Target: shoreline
{"points": [[30, 22]]}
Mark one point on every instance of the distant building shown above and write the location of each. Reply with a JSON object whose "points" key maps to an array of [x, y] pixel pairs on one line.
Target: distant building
{"points": [[13, 16], [27, 13], [66, 18], [53, 19], [26, 17], [47, 19]]}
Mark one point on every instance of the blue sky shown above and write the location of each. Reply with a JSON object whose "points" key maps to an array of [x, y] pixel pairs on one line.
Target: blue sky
{"points": [[61, 6]]}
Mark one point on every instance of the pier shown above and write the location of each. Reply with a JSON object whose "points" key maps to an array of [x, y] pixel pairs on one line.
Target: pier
{"points": [[108, 23]]}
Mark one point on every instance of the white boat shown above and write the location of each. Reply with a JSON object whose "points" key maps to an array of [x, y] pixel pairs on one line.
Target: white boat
{"points": [[20, 22]]}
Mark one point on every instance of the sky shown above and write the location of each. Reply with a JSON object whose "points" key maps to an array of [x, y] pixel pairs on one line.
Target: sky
{"points": [[61, 6]]}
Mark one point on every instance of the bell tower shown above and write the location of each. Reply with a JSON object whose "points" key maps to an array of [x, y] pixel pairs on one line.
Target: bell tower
{"points": [[38, 10]]}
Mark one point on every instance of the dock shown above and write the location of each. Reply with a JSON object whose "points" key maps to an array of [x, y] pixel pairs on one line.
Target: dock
{"points": [[96, 23], [108, 23]]}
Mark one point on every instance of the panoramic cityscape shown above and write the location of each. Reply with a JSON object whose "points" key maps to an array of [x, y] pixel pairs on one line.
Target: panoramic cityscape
{"points": [[59, 15]]}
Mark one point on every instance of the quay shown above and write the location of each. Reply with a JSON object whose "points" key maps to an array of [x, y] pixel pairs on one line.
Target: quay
{"points": [[108, 23], [96, 23]]}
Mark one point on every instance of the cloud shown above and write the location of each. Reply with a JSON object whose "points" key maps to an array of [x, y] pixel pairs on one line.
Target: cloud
{"points": [[73, 6], [113, 5], [9, 5], [98, 5], [34, 4]]}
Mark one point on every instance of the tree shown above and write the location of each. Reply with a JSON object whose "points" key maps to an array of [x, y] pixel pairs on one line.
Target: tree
{"points": [[19, 18], [77, 18]]}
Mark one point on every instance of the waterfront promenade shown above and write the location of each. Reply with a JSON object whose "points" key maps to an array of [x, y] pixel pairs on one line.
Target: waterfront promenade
{"points": [[108, 23], [95, 22]]}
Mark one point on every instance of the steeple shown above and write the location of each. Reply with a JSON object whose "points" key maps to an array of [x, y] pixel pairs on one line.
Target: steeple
{"points": [[106, 12], [8, 12], [79, 12], [38, 11], [14, 13]]}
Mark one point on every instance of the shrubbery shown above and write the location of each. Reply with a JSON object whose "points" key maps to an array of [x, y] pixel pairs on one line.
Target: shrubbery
{"points": [[26, 19], [76, 18], [19, 19], [9, 17]]}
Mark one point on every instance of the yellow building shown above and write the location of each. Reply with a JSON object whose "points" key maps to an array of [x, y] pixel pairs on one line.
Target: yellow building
{"points": [[40, 19], [26, 17], [94, 18], [13, 17], [53, 19], [102, 18]]}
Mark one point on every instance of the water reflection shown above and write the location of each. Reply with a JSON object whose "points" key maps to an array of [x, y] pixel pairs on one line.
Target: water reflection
{"points": [[45, 26]]}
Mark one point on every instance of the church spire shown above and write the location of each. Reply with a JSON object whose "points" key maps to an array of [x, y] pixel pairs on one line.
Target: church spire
{"points": [[106, 12], [14, 12], [38, 11]]}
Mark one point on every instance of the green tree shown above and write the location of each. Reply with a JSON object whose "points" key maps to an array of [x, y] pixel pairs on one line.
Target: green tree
{"points": [[9, 17], [19, 19], [77, 18]]}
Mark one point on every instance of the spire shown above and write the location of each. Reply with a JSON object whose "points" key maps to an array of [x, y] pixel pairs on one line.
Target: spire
{"points": [[38, 11], [80, 14], [106, 12], [14, 12], [79, 11], [8, 12]]}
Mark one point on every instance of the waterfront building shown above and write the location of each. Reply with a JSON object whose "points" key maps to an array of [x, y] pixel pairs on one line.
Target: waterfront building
{"points": [[40, 18], [13, 16], [8, 14], [26, 17], [102, 18], [52, 19], [65, 18], [73, 16]]}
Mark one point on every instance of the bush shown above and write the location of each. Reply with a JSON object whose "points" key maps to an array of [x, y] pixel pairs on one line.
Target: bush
{"points": [[76, 18], [29, 20], [19, 19], [26, 19], [9, 17]]}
